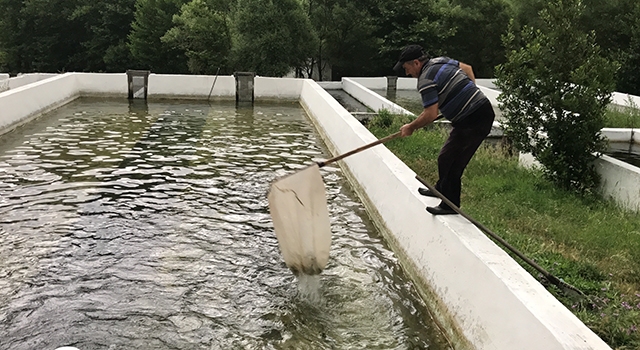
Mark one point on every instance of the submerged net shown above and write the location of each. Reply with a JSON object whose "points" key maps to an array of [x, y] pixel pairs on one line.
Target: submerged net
{"points": [[298, 207]]}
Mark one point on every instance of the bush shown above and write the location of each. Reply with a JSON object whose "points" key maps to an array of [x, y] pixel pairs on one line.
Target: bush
{"points": [[382, 120], [555, 90]]}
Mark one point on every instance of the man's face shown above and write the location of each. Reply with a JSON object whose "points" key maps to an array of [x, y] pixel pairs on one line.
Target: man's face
{"points": [[412, 68]]}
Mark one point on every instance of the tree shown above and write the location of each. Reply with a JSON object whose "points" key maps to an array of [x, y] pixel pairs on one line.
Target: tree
{"points": [[40, 36], [9, 40], [612, 21], [153, 18], [629, 54], [403, 22], [525, 13], [108, 22], [479, 26], [555, 89], [346, 37], [202, 32], [629, 77], [270, 37]]}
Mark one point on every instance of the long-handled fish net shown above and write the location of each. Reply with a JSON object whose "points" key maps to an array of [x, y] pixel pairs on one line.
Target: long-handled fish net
{"points": [[298, 207]]}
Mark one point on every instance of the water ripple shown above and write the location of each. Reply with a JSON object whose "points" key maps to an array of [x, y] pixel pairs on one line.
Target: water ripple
{"points": [[134, 226]]}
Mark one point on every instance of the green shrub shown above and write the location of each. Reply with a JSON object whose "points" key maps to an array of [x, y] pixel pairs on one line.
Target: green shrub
{"points": [[556, 87], [382, 120]]}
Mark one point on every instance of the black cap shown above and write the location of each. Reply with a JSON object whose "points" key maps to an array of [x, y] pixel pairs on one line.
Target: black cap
{"points": [[409, 53]]}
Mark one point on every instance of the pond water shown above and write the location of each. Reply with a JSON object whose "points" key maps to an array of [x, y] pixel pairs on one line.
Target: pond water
{"points": [[407, 99], [348, 102], [135, 226], [625, 151]]}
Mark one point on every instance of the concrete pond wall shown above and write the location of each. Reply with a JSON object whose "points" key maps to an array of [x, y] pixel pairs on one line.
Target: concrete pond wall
{"points": [[479, 295]]}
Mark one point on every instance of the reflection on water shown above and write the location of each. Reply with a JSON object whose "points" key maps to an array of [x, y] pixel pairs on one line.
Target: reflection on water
{"points": [[625, 151], [147, 227], [407, 99], [348, 102]]}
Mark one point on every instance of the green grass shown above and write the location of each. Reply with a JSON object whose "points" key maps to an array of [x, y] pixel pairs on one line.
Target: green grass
{"points": [[586, 241], [625, 117]]}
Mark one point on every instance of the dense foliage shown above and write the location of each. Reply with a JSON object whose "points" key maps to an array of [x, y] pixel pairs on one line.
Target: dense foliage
{"points": [[271, 37], [202, 32], [556, 86], [325, 39]]}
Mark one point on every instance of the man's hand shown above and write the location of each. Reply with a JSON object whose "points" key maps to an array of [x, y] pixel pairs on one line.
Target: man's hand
{"points": [[406, 130], [427, 116]]}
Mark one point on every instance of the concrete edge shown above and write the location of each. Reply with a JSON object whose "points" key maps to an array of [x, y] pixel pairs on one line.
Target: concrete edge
{"points": [[619, 182], [277, 88], [29, 78], [330, 85], [162, 86], [404, 83], [624, 100], [375, 83], [370, 98], [619, 134], [30, 101]]}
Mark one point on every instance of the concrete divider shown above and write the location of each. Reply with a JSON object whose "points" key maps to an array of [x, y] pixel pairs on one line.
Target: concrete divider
{"points": [[25, 79], [487, 82], [619, 134], [23, 103], [619, 182], [480, 295], [277, 88], [191, 86], [330, 85], [407, 83], [102, 84], [375, 83], [625, 100], [370, 98], [4, 82]]}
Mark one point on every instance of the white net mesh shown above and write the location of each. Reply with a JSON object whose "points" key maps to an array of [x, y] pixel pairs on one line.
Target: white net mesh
{"points": [[298, 206]]}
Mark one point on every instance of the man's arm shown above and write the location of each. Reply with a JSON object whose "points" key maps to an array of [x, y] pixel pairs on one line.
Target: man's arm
{"points": [[427, 116], [468, 70]]}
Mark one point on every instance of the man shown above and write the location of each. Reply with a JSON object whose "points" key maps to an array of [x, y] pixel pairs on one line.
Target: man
{"points": [[449, 86]]}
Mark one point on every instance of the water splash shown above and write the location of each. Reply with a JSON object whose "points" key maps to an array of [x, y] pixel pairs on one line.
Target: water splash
{"points": [[309, 288]]}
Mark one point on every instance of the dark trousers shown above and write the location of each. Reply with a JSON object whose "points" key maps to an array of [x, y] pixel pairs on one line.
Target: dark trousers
{"points": [[457, 151]]}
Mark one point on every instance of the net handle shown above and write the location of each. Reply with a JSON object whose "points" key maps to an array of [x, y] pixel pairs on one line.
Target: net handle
{"points": [[360, 149]]}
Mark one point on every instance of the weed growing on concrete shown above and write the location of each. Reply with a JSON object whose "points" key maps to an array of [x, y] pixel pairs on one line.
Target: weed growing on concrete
{"points": [[623, 117]]}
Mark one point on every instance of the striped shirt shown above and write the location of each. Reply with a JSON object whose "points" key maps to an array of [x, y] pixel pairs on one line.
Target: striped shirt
{"points": [[442, 81]]}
